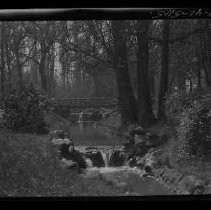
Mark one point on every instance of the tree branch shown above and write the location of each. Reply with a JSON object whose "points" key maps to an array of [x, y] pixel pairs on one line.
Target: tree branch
{"points": [[177, 39]]}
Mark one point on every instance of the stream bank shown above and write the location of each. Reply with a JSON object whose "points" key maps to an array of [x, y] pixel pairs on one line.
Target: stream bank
{"points": [[157, 163]]}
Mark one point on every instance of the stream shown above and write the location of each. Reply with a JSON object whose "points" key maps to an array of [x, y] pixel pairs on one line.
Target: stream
{"points": [[129, 179]]}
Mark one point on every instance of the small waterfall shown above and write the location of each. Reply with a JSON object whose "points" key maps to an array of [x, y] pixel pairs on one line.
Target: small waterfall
{"points": [[89, 163], [80, 121], [105, 158]]}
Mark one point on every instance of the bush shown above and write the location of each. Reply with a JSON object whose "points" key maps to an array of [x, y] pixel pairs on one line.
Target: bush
{"points": [[178, 102], [193, 132], [24, 111]]}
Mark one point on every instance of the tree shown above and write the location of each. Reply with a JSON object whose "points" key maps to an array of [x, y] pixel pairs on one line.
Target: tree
{"points": [[2, 56], [145, 114], [127, 99], [44, 34], [164, 71], [207, 56]]}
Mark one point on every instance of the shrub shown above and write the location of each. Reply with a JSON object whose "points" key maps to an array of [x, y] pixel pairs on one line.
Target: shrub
{"points": [[193, 132], [24, 111], [178, 102]]}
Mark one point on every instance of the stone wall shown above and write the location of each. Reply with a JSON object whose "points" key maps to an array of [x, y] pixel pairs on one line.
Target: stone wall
{"points": [[83, 103]]}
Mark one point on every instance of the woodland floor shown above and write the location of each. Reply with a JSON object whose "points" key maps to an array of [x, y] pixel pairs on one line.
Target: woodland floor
{"points": [[29, 165]]}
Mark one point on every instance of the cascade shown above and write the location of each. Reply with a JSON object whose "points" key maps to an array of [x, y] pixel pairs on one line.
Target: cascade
{"points": [[105, 158], [80, 121], [89, 163]]}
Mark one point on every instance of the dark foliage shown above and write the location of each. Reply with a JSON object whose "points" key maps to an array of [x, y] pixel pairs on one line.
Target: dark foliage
{"points": [[179, 101], [24, 110], [193, 132]]}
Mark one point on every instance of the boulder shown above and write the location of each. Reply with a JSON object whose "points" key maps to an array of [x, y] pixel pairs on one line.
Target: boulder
{"points": [[68, 152], [138, 149], [151, 162], [132, 162], [198, 187], [2, 117], [138, 139], [140, 162], [69, 164], [95, 157], [117, 158], [129, 143], [156, 140], [133, 130], [58, 134], [57, 142], [208, 189], [121, 185]]}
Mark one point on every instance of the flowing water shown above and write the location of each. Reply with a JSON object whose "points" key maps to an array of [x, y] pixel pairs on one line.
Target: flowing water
{"points": [[105, 158], [89, 163], [124, 177]]}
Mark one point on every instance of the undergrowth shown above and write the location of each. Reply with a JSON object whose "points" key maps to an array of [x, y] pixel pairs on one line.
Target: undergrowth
{"points": [[29, 167]]}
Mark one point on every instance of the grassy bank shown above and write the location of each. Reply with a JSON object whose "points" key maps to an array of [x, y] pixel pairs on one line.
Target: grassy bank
{"points": [[29, 167]]}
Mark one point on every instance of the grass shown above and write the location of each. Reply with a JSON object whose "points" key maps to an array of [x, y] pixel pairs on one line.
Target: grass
{"points": [[199, 168], [29, 165], [30, 168]]}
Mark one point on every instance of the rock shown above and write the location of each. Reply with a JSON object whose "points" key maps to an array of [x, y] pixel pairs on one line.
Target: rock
{"points": [[207, 189], [159, 172], [58, 134], [57, 141], [62, 141], [117, 158], [145, 175], [2, 117], [138, 139], [136, 130], [192, 185], [130, 142], [127, 145], [90, 148], [132, 162], [148, 169], [140, 162], [68, 152], [198, 187], [156, 140], [96, 158], [121, 184], [138, 149], [69, 164]]}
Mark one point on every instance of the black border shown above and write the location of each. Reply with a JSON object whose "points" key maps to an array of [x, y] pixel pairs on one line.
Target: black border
{"points": [[104, 13], [80, 13]]}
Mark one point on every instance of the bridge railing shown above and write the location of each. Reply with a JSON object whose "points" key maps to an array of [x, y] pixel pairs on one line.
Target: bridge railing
{"points": [[85, 102]]}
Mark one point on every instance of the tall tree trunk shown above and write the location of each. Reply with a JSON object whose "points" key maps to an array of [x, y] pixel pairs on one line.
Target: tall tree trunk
{"points": [[208, 46], [199, 85], [164, 72], [8, 61], [2, 59], [145, 114], [181, 80], [19, 71], [51, 77], [127, 101], [42, 73]]}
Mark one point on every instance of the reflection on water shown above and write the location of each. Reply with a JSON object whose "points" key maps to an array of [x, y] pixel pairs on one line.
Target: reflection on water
{"points": [[92, 134], [125, 177]]}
